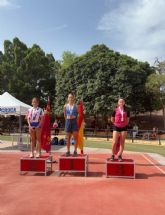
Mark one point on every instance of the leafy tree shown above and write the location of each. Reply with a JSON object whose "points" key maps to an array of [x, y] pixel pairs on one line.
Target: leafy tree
{"points": [[27, 72], [67, 59], [155, 85], [99, 77]]}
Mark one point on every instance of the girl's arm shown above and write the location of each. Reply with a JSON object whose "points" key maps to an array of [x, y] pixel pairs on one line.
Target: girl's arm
{"points": [[28, 120], [112, 119], [41, 121]]}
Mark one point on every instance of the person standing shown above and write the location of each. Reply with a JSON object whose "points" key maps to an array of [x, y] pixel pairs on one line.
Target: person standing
{"points": [[71, 126], [35, 118], [135, 130], [56, 128], [120, 119]]}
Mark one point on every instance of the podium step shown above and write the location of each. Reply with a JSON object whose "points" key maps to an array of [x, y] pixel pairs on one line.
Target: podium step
{"points": [[72, 164], [36, 165], [124, 169]]}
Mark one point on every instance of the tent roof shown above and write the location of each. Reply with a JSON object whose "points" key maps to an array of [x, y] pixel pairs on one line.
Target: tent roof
{"points": [[10, 105]]}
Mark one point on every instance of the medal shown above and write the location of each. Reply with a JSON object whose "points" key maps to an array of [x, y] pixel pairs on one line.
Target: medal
{"points": [[34, 115], [70, 109], [122, 114]]}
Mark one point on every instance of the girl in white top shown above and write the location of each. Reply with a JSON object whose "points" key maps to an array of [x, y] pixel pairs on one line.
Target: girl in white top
{"points": [[34, 118]]}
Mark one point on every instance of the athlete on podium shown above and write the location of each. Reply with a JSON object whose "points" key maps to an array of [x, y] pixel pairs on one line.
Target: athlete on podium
{"points": [[71, 125]]}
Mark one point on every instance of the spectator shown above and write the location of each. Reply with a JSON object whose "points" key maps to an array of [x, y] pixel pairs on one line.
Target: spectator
{"points": [[56, 127], [135, 130]]}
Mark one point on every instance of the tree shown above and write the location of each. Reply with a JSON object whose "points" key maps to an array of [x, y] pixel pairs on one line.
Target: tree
{"points": [[99, 77], [67, 59], [156, 86], [27, 72]]}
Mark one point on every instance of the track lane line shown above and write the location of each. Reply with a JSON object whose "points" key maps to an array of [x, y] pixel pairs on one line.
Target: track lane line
{"points": [[161, 170]]}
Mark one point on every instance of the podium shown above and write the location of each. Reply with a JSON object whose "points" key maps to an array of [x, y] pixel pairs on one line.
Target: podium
{"points": [[36, 165], [124, 169], [73, 164]]}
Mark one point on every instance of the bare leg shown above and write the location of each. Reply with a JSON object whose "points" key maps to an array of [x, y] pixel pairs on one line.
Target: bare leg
{"points": [[68, 135], [38, 137], [122, 142], [114, 141], [33, 141]]}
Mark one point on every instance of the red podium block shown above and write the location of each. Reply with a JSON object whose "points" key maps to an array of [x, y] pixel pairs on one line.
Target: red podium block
{"points": [[77, 163], [124, 169], [37, 165]]}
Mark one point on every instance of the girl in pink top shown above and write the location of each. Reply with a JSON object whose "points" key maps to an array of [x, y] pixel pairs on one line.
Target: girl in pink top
{"points": [[120, 119]]}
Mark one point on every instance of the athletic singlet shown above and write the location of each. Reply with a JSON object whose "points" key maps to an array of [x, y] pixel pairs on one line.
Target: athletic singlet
{"points": [[34, 116], [71, 111], [120, 117]]}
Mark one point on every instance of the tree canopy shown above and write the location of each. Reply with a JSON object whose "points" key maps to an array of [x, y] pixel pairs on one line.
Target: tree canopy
{"points": [[99, 77], [27, 72]]}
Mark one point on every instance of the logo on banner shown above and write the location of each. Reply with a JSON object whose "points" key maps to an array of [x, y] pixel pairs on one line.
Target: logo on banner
{"points": [[8, 110]]}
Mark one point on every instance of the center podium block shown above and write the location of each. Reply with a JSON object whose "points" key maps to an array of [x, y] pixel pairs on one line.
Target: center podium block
{"points": [[36, 165], [124, 169], [77, 163]]}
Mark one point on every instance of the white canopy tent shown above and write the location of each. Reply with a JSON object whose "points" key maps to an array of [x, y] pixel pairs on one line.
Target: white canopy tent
{"points": [[9, 105]]}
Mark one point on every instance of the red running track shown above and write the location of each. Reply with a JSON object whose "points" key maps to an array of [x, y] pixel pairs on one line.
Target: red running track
{"points": [[75, 195]]}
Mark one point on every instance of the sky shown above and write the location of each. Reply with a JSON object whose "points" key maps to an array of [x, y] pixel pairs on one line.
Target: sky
{"points": [[132, 27]]}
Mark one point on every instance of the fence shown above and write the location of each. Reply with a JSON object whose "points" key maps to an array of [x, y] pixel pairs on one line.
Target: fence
{"points": [[157, 136], [15, 141]]}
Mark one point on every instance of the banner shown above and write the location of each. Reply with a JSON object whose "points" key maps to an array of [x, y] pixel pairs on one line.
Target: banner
{"points": [[81, 127], [46, 129]]}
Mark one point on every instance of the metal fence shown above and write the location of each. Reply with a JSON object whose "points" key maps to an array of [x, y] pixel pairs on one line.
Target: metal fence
{"points": [[157, 136], [17, 141]]}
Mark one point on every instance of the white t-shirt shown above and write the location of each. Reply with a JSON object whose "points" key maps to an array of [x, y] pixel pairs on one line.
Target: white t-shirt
{"points": [[35, 115]]}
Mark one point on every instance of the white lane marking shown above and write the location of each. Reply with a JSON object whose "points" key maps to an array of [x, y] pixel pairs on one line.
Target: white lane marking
{"points": [[161, 170]]}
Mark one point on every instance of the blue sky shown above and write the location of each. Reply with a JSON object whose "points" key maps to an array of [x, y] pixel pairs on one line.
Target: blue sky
{"points": [[133, 27]]}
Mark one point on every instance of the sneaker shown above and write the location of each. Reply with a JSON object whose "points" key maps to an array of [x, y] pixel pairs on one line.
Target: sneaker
{"points": [[112, 158], [120, 159], [38, 155], [75, 153], [68, 154], [31, 155]]}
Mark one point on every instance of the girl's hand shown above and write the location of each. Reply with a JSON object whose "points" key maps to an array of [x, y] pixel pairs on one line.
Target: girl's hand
{"points": [[30, 128]]}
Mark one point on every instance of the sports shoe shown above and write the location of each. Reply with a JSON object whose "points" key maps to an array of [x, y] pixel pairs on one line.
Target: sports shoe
{"points": [[67, 153], [38, 155], [120, 159], [31, 155], [75, 153], [112, 158]]}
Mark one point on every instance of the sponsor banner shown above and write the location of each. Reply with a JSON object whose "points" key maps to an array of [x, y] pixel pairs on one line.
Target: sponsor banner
{"points": [[7, 110]]}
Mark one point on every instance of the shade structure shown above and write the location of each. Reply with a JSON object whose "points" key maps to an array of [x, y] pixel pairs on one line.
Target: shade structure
{"points": [[9, 105]]}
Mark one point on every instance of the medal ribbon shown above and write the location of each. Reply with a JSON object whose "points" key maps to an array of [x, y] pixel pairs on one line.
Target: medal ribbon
{"points": [[122, 114]]}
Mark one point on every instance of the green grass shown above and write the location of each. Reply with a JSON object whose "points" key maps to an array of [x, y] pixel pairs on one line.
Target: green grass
{"points": [[129, 147], [12, 138], [106, 145]]}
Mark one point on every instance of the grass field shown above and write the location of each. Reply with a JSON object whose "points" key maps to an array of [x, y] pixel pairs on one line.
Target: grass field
{"points": [[129, 147], [107, 145], [12, 138]]}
